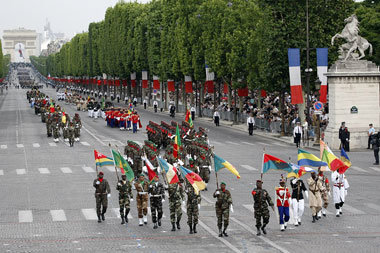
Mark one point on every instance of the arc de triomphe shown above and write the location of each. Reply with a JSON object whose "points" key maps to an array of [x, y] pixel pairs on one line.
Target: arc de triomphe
{"points": [[20, 44]]}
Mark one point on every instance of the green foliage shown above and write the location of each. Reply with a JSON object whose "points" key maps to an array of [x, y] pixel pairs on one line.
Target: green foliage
{"points": [[1, 60]]}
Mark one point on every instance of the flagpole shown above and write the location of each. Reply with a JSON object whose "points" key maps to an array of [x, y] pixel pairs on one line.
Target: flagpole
{"points": [[109, 144], [163, 172], [262, 165]]}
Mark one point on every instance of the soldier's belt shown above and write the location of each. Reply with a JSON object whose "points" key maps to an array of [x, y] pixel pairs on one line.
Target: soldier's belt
{"points": [[142, 193], [156, 196], [97, 193]]}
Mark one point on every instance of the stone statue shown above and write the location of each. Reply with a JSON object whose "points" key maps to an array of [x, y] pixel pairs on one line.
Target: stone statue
{"points": [[354, 42]]}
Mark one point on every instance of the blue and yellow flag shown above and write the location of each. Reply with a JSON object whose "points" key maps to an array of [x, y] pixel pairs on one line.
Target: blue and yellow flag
{"points": [[307, 159], [220, 163]]}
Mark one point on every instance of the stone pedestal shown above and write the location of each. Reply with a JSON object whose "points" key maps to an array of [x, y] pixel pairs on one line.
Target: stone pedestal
{"points": [[353, 84]]}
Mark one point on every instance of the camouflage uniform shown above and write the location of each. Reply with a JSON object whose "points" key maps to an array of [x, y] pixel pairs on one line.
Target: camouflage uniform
{"points": [[204, 170], [70, 134], [125, 194], [222, 208], [175, 197], [142, 199], [193, 200], [261, 200], [157, 195], [49, 122], [325, 194], [102, 189]]}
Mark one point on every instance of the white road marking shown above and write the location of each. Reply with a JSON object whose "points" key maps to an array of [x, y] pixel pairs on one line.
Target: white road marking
{"points": [[375, 169], [1, 173], [248, 143], [21, 171], [20, 145], [90, 214], [117, 213], [25, 216], [358, 169], [262, 143], [58, 215], [85, 143], [52, 144], [248, 167], [88, 169], [93, 135], [4, 146], [215, 142], [233, 143], [44, 170], [373, 206], [250, 208], [36, 145], [351, 209], [66, 170]]}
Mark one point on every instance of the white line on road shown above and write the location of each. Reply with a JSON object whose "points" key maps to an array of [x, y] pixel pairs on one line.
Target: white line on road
{"points": [[215, 143], [4, 146], [20, 145], [1, 173], [90, 214], [352, 209], [88, 169], [250, 208], [36, 145], [233, 143], [373, 206], [358, 169], [20, 171], [44, 170], [375, 169], [25, 216], [52, 144], [66, 170], [58, 215], [248, 167], [262, 143], [248, 143], [93, 135], [85, 143]]}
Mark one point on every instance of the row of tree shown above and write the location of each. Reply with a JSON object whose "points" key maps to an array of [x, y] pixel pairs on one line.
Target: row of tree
{"points": [[244, 42], [1, 62]]}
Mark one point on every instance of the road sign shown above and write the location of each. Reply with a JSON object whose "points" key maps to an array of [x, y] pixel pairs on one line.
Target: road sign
{"points": [[318, 106], [154, 91]]}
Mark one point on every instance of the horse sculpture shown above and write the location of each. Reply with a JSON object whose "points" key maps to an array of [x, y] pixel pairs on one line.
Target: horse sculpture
{"points": [[354, 41]]}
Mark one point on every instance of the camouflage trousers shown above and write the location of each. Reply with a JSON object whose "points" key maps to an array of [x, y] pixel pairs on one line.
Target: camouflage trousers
{"points": [[142, 205], [192, 213], [223, 216], [263, 213], [101, 201], [325, 199], [156, 208], [48, 130], [124, 204], [175, 211], [204, 174]]}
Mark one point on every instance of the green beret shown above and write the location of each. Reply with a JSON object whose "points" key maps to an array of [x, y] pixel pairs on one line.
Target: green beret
{"points": [[222, 183], [142, 175]]}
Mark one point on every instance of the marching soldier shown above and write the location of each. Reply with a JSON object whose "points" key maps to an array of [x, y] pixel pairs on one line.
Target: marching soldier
{"points": [[125, 198], [298, 202], [340, 186], [102, 191], [315, 199], [142, 187], [157, 197], [222, 207], [175, 199], [261, 200], [283, 197], [70, 134], [193, 206], [325, 194]]}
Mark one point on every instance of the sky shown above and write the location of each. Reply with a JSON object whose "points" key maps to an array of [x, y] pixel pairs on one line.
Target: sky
{"points": [[67, 16]]}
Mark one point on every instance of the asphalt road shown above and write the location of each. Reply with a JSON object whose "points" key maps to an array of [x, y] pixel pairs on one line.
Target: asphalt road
{"points": [[48, 205]]}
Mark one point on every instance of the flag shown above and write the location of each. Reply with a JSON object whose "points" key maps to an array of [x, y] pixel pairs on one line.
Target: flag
{"points": [[271, 162], [144, 76], [123, 165], [188, 118], [170, 171], [295, 75], [345, 159], [322, 63], [102, 160], [220, 163], [307, 159], [299, 171], [188, 84], [322, 146], [194, 179], [177, 143], [150, 168]]}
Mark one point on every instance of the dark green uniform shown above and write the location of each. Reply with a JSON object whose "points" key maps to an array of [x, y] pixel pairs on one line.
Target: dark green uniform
{"points": [[193, 200], [102, 189], [175, 198], [125, 194], [222, 208], [157, 195], [261, 200]]}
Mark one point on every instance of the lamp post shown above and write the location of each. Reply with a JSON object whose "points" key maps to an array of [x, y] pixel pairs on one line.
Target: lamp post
{"points": [[308, 70], [317, 119]]}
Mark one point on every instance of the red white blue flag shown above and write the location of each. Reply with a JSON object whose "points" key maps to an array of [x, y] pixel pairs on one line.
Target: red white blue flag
{"points": [[295, 75]]}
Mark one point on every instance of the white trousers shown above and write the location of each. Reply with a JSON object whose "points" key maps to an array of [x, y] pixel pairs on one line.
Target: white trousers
{"points": [[298, 208]]}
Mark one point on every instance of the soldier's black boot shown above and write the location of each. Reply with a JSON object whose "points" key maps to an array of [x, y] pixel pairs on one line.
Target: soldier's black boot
{"points": [[99, 220], [126, 215], [122, 220], [220, 231], [178, 225], [195, 228], [191, 228], [258, 232], [224, 231], [159, 222], [173, 226], [313, 219], [264, 230], [155, 226]]}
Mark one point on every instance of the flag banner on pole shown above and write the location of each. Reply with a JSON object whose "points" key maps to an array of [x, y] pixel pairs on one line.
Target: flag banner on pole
{"points": [[170, 171], [144, 77], [133, 79], [274, 163], [194, 179], [345, 159], [243, 92], [220, 163], [307, 159], [150, 168], [188, 118], [322, 64], [123, 165], [210, 76], [156, 82], [298, 171], [188, 84], [295, 75], [225, 88], [102, 160], [177, 143], [171, 86]]}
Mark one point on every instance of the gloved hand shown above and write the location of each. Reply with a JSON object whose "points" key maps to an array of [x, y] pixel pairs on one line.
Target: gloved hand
{"points": [[131, 199], [163, 200], [118, 184], [231, 208], [307, 194], [109, 195], [329, 194], [217, 193], [199, 207], [98, 182], [345, 192], [150, 186], [183, 202], [294, 181]]}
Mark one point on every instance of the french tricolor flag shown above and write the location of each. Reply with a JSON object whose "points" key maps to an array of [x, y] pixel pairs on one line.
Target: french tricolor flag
{"points": [[322, 62], [295, 75]]}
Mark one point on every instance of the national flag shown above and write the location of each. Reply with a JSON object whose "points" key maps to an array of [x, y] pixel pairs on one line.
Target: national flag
{"points": [[144, 77], [271, 162], [188, 84], [123, 165], [299, 171], [177, 143], [102, 160], [295, 75], [194, 179], [307, 159], [322, 64], [345, 159], [188, 118], [220, 163], [150, 168], [170, 171], [322, 146]]}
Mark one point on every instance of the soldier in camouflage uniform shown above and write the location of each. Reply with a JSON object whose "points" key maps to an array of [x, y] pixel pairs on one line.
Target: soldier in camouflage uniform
{"points": [[49, 122], [125, 198], [175, 198], [142, 187], [169, 157], [193, 206], [222, 207], [261, 201], [102, 192], [157, 197], [204, 166]]}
